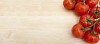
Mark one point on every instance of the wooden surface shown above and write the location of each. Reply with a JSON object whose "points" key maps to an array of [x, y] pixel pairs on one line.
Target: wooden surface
{"points": [[36, 22]]}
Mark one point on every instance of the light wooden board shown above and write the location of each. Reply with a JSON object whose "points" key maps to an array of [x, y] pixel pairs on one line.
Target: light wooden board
{"points": [[36, 22]]}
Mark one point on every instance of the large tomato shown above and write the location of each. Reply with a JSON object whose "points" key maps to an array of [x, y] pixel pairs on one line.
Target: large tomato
{"points": [[97, 27], [95, 13], [91, 37], [86, 20], [69, 4], [91, 3], [81, 8], [78, 30]]}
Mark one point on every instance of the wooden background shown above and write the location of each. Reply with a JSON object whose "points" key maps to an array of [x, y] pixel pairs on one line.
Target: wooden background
{"points": [[36, 22]]}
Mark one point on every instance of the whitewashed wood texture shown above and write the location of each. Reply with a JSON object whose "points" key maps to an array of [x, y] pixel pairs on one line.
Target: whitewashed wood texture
{"points": [[36, 22]]}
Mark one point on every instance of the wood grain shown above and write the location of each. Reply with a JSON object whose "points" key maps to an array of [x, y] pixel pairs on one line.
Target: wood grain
{"points": [[36, 22]]}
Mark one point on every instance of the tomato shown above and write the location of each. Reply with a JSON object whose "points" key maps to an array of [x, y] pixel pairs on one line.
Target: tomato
{"points": [[69, 4], [91, 37], [81, 8], [79, 1], [93, 12], [97, 27], [86, 20], [78, 31], [91, 3]]}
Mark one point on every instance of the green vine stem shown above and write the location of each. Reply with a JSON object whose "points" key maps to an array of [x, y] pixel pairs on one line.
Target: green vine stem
{"points": [[95, 22], [93, 32]]}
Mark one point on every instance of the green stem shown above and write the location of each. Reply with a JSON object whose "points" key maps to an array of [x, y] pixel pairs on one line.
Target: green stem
{"points": [[94, 23], [93, 32], [88, 19]]}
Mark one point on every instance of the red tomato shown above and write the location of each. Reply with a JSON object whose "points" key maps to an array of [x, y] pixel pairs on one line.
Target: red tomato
{"points": [[91, 3], [79, 1], [91, 37], [77, 31], [97, 27], [94, 13], [69, 4], [86, 20], [81, 8]]}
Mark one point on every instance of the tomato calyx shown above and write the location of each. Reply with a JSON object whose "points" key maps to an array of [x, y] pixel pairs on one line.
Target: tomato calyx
{"points": [[83, 29], [83, 1], [96, 12], [88, 19], [73, 1], [93, 32]]}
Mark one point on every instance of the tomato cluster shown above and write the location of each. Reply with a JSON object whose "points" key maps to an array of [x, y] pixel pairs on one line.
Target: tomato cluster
{"points": [[88, 27]]}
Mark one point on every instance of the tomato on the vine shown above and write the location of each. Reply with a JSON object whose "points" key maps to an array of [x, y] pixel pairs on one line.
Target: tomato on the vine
{"points": [[91, 3], [86, 20], [95, 12], [91, 37], [69, 4], [81, 8], [88, 27], [97, 27], [78, 30]]}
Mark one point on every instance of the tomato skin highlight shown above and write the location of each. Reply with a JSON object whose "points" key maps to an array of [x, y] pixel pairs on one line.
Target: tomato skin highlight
{"points": [[81, 8], [83, 20], [97, 27], [92, 12], [91, 3], [77, 31], [69, 4], [90, 37]]}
